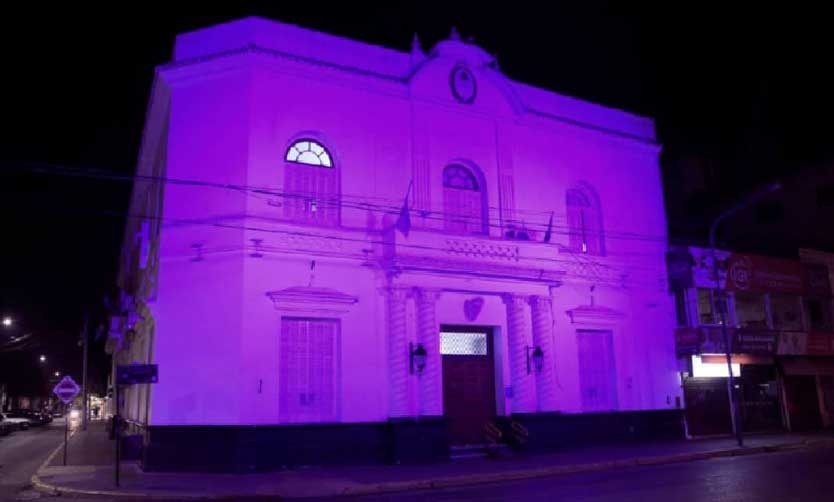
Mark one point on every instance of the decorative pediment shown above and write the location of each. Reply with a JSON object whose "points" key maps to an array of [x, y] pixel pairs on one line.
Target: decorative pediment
{"points": [[310, 299], [594, 314]]}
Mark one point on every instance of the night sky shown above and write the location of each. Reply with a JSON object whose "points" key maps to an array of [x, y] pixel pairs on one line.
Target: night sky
{"points": [[749, 88]]}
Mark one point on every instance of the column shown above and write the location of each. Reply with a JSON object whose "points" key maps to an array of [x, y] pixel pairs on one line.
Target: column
{"points": [[523, 400], [542, 314], [428, 334], [397, 352]]}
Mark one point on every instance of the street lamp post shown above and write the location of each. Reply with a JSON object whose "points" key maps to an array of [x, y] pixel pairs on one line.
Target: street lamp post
{"points": [[722, 304]]}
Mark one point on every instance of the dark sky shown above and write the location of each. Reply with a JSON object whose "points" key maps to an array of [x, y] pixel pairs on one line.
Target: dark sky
{"points": [[749, 87]]}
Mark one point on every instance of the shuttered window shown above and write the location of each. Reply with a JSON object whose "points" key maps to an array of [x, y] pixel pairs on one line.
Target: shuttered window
{"points": [[463, 201], [597, 371], [584, 222], [308, 366], [311, 185]]}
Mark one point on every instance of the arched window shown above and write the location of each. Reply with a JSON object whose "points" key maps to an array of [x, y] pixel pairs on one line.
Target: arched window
{"points": [[311, 183], [585, 221], [463, 200]]}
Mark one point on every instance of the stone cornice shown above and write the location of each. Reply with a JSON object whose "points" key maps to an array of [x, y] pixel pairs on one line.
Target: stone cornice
{"points": [[594, 314], [312, 300]]}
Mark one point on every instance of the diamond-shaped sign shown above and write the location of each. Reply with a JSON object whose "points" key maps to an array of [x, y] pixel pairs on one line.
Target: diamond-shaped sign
{"points": [[66, 390]]}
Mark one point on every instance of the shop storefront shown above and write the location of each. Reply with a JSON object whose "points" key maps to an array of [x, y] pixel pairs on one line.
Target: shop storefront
{"points": [[704, 380], [778, 316]]}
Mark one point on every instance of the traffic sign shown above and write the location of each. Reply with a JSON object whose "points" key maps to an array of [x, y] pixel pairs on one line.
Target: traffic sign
{"points": [[66, 390]]}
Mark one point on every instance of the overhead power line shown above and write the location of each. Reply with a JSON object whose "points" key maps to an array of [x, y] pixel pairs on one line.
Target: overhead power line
{"points": [[342, 200]]}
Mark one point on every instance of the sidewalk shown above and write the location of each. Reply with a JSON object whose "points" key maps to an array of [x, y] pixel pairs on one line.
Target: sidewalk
{"points": [[90, 471]]}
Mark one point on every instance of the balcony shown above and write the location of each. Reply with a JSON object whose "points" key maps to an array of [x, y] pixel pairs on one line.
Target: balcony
{"points": [[473, 255]]}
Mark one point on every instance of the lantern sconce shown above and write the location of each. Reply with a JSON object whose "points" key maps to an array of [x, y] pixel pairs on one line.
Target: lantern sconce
{"points": [[537, 357], [416, 358]]}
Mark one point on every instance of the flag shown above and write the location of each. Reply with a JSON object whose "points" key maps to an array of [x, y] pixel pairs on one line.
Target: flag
{"points": [[549, 229], [404, 219]]}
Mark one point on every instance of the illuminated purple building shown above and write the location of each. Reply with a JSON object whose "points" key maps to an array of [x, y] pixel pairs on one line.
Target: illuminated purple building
{"points": [[360, 254]]}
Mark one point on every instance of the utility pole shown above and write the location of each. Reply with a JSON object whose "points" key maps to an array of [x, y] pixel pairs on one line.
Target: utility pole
{"points": [[84, 344], [722, 305]]}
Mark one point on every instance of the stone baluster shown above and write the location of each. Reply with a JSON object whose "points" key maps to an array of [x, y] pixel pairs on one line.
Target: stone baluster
{"points": [[523, 400], [542, 314], [428, 334], [397, 352]]}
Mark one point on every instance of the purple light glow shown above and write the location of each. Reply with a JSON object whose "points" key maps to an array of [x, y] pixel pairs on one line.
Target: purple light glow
{"points": [[385, 124]]}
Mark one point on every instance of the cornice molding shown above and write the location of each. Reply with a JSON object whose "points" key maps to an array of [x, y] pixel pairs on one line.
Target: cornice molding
{"points": [[308, 299]]}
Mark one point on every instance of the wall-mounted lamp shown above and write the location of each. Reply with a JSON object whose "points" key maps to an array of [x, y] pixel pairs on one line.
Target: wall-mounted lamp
{"points": [[416, 358], [537, 357]]}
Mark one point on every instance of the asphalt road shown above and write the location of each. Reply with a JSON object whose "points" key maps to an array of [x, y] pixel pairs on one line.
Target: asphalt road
{"points": [[802, 475], [21, 453]]}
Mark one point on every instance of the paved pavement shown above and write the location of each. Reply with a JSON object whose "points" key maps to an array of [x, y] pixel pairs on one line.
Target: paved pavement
{"points": [[789, 476], [82, 475]]}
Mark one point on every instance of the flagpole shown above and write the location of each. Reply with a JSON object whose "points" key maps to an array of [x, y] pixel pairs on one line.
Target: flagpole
{"points": [[85, 408]]}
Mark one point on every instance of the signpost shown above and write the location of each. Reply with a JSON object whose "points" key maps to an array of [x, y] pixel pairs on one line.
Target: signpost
{"points": [[66, 390], [129, 374]]}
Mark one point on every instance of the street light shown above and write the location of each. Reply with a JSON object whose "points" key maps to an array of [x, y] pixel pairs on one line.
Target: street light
{"points": [[7, 321], [57, 373], [43, 358], [722, 302]]}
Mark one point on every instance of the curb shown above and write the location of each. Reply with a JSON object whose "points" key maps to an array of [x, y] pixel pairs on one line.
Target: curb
{"points": [[445, 482]]}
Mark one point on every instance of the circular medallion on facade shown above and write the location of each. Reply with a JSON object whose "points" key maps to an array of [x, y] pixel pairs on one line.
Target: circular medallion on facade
{"points": [[463, 84]]}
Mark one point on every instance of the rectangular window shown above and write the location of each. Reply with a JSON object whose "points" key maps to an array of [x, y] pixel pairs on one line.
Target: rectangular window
{"points": [[708, 307], [597, 371], [463, 344], [308, 365], [751, 310], [787, 312], [680, 308], [818, 313]]}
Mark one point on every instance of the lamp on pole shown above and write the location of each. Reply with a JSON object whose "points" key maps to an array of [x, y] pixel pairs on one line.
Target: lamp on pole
{"points": [[722, 303]]}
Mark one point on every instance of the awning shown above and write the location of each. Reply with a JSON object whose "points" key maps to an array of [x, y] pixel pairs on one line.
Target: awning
{"points": [[737, 359]]}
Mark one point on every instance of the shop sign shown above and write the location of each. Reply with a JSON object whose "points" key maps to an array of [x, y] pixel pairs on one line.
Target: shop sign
{"points": [[792, 343], [816, 281], [754, 342], [820, 344], [763, 274], [687, 341]]}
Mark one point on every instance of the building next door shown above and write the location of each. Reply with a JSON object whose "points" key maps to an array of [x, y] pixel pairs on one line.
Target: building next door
{"points": [[468, 382], [802, 402]]}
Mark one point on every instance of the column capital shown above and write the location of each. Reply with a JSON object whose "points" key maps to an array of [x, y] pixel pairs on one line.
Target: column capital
{"points": [[399, 293], [540, 301], [426, 294], [513, 300]]}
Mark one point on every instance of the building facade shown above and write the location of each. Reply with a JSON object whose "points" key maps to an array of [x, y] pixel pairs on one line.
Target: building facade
{"points": [[338, 251], [778, 314]]}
